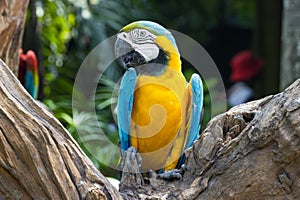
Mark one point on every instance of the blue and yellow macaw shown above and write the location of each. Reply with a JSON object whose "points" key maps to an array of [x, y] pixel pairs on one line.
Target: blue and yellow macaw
{"points": [[28, 72], [158, 111]]}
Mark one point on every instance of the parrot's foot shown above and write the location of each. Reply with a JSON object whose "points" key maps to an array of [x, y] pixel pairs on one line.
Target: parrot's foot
{"points": [[170, 175], [130, 165], [174, 174]]}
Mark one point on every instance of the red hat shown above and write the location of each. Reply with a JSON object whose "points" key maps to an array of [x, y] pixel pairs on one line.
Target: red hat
{"points": [[245, 66]]}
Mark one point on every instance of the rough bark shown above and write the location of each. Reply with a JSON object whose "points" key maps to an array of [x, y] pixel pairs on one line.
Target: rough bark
{"points": [[38, 157], [250, 152], [12, 20]]}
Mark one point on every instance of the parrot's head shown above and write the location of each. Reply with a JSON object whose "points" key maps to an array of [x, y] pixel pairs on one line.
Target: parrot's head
{"points": [[144, 42], [32, 64]]}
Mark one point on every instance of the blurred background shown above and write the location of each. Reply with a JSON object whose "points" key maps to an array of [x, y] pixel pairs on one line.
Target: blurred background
{"points": [[63, 32]]}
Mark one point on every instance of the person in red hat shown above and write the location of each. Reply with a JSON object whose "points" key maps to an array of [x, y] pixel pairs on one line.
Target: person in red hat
{"points": [[245, 67]]}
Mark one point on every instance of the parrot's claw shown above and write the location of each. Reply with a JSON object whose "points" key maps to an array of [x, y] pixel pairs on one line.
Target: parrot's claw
{"points": [[130, 166], [185, 168], [170, 175], [174, 174]]}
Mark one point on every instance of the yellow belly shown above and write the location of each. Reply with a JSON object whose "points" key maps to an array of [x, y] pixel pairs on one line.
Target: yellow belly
{"points": [[156, 120]]}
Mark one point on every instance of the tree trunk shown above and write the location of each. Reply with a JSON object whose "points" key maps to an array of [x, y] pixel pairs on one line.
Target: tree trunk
{"points": [[290, 43], [12, 20]]}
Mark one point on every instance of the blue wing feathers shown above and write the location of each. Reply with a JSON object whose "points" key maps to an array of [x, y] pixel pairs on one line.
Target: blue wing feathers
{"points": [[124, 109], [197, 103]]}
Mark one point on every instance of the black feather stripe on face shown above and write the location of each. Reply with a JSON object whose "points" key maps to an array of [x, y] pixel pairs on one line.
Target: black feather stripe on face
{"points": [[162, 58], [154, 67]]}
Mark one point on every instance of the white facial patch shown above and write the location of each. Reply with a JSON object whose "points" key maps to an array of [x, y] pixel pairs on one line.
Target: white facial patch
{"points": [[148, 51], [142, 41]]}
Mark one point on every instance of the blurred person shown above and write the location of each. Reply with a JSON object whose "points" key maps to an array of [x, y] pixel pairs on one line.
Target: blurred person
{"points": [[245, 68]]}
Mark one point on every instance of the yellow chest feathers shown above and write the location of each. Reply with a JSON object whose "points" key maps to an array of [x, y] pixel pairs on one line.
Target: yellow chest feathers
{"points": [[157, 110]]}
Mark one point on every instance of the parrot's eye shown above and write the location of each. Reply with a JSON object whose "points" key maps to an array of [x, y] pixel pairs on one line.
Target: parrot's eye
{"points": [[142, 33]]}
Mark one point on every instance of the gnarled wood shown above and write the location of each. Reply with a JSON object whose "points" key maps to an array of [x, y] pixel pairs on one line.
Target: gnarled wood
{"points": [[12, 20], [38, 157]]}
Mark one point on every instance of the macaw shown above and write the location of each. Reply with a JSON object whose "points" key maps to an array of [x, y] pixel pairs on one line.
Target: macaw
{"points": [[28, 72], [158, 111]]}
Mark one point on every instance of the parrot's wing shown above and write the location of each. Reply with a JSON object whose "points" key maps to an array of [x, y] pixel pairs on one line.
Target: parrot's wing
{"points": [[124, 109], [196, 107], [189, 131]]}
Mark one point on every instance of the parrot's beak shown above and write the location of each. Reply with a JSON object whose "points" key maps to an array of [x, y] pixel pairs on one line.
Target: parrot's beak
{"points": [[126, 54]]}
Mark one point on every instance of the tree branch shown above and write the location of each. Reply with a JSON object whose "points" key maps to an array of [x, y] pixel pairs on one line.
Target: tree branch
{"points": [[250, 152], [38, 157]]}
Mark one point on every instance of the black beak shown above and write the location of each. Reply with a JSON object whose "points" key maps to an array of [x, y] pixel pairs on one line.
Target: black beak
{"points": [[126, 55]]}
